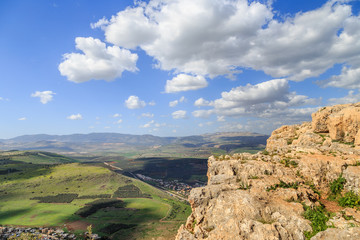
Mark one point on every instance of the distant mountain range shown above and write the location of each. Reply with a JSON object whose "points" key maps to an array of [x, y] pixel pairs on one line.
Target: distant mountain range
{"points": [[93, 138], [110, 142]]}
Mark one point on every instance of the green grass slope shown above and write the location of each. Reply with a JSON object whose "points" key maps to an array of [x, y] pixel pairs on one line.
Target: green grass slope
{"points": [[138, 218], [36, 157]]}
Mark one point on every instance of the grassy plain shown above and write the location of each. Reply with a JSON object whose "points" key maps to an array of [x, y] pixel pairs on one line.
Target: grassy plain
{"points": [[141, 218]]}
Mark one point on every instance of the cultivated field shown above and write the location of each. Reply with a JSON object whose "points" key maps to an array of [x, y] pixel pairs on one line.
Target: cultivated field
{"points": [[75, 195]]}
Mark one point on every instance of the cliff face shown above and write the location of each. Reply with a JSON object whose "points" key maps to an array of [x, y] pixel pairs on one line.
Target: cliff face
{"points": [[264, 196]]}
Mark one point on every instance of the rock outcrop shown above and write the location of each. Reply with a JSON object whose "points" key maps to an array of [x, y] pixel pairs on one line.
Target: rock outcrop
{"points": [[264, 195]]}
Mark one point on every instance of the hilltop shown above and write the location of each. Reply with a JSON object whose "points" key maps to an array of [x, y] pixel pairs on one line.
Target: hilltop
{"points": [[305, 185]]}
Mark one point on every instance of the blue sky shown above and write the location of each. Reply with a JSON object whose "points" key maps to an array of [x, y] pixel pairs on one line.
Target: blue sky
{"points": [[173, 68]]}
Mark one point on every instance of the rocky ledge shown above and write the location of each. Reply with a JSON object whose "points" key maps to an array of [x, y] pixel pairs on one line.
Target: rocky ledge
{"points": [[305, 185]]}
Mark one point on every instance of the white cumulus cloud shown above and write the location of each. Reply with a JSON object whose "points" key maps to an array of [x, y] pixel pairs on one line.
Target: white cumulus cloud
{"points": [[184, 82], [180, 114], [45, 96], [173, 103], [22, 119], [211, 38], [349, 78], [134, 102], [97, 62], [176, 102], [202, 103], [350, 98], [75, 117], [270, 99], [147, 125]]}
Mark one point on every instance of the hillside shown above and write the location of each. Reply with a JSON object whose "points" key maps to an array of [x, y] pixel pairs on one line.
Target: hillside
{"points": [[74, 196], [305, 185], [36, 157]]}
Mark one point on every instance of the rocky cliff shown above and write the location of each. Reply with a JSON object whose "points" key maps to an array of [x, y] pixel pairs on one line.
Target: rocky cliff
{"points": [[305, 185]]}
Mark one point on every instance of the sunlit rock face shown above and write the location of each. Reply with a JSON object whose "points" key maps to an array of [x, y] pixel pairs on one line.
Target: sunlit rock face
{"points": [[262, 196]]}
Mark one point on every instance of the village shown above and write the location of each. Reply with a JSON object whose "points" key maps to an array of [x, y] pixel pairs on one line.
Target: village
{"points": [[180, 188]]}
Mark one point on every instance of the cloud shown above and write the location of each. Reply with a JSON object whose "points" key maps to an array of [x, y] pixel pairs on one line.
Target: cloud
{"points": [[152, 103], [148, 115], [269, 91], [350, 98], [205, 124], [147, 125], [129, 28], [116, 115], [180, 114], [203, 113], [97, 61], [99, 24], [349, 78], [202, 103], [220, 119], [176, 102], [45, 96], [270, 99], [184, 82], [152, 123], [134, 102], [22, 119], [119, 121], [232, 127], [75, 117], [173, 103], [212, 38]]}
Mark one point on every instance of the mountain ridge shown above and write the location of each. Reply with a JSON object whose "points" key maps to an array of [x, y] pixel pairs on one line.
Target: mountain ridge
{"points": [[129, 143], [91, 137]]}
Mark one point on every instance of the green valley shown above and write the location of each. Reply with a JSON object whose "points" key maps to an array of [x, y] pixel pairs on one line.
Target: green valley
{"points": [[41, 189]]}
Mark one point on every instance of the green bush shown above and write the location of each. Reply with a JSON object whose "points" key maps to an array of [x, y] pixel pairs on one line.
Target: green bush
{"points": [[60, 198], [265, 152], [350, 199], [336, 187], [283, 184], [318, 217], [130, 191], [94, 196]]}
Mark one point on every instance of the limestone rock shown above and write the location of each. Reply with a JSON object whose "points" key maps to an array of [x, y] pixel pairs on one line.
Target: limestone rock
{"points": [[261, 196], [342, 122], [352, 176], [338, 234]]}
